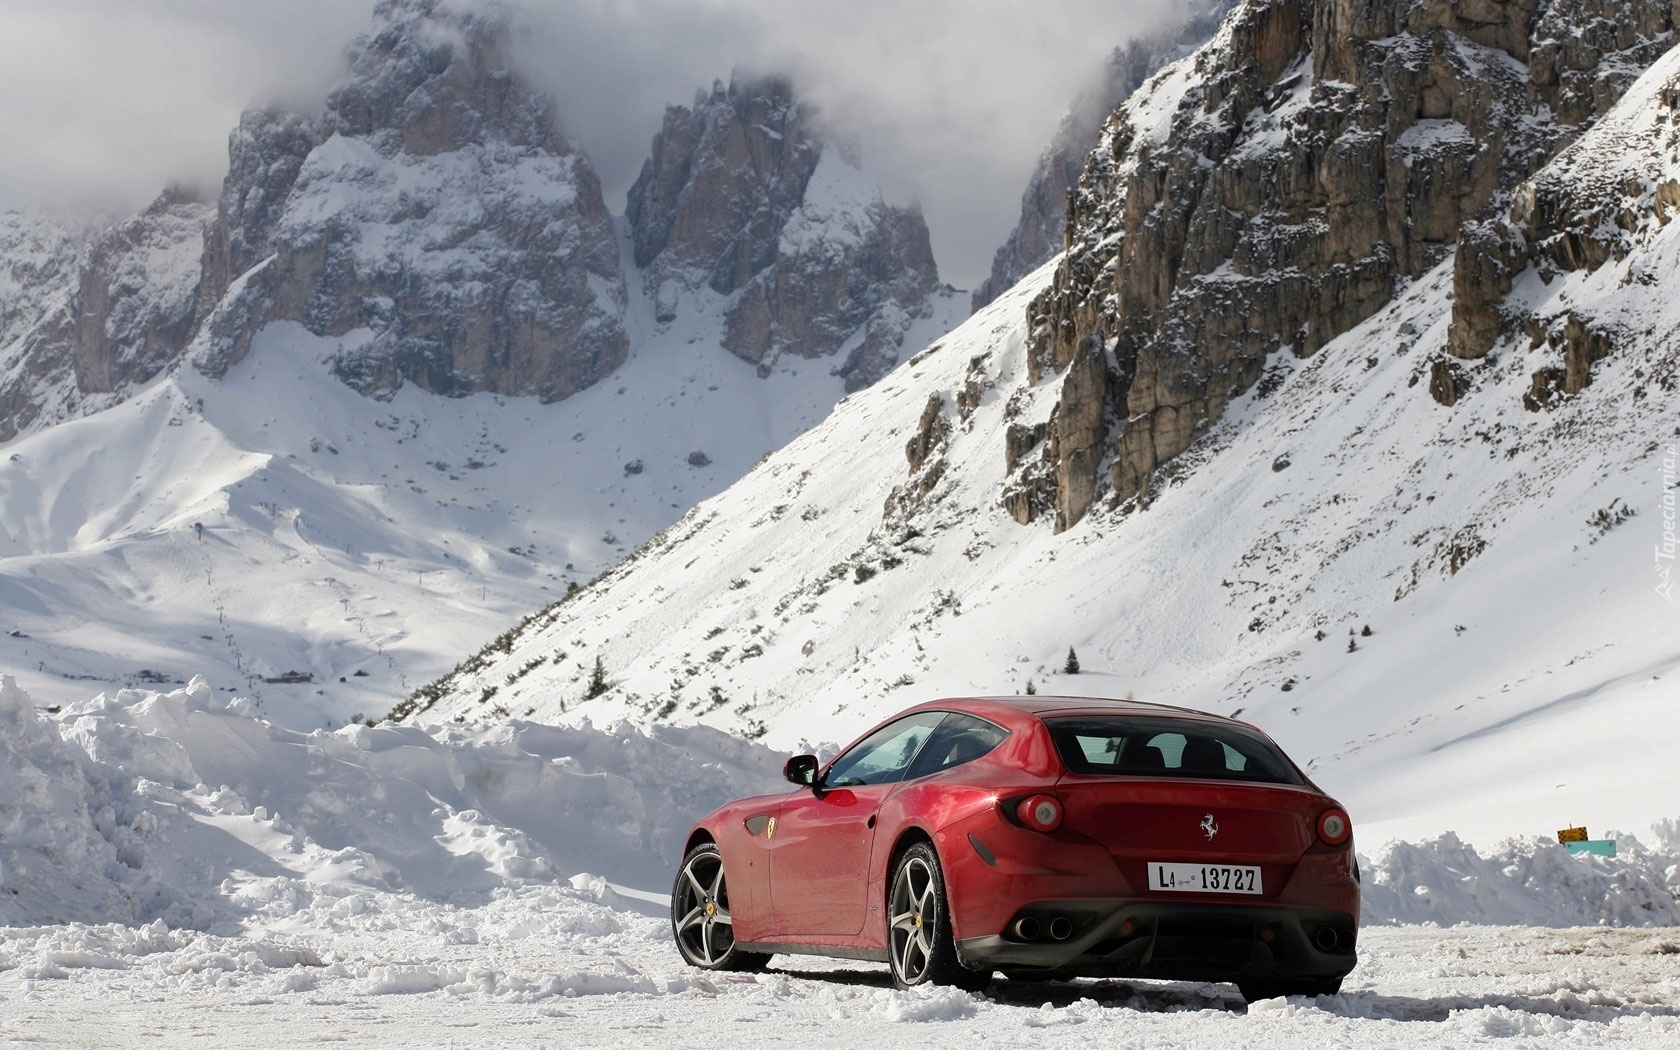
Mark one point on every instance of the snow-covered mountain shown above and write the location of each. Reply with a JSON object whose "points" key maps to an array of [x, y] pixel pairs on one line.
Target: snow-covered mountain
{"points": [[807, 259], [1277, 190], [428, 234], [1405, 592], [436, 204]]}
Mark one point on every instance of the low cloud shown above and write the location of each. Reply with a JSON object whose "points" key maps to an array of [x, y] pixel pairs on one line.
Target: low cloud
{"points": [[105, 101], [952, 99]]}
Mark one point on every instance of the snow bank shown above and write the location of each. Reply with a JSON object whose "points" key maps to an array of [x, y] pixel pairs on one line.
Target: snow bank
{"points": [[1531, 882], [180, 807], [68, 839]]}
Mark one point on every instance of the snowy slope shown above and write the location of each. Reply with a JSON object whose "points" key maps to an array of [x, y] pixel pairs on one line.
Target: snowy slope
{"points": [[347, 538], [1518, 653]]}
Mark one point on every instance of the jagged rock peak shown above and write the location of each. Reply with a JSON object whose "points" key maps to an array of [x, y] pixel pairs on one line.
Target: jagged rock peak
{"points": [[1038, 234], [744, 199], [723, 179], [1273, 191], [437, 76], [435, 204]]}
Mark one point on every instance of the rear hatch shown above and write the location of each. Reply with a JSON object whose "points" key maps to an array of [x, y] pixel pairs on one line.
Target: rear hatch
{"points": [[1235, 841], [1186, 806]]}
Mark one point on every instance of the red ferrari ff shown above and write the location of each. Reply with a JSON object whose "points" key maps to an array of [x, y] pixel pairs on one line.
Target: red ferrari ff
{"points": [[1043, 837]]}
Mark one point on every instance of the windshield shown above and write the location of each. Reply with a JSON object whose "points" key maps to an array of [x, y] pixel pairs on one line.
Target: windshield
{"points": [[1133, 746]]}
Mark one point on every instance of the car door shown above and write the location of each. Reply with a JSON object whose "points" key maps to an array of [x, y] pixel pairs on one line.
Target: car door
{"points": [[819, 851]]}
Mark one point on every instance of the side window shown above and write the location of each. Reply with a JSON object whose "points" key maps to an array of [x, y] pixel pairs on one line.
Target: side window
{"points": [[884, 755], [960, 738]]}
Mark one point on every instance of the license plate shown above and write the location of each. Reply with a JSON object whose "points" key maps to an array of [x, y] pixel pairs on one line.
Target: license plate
{"points": [[1203, 878]]}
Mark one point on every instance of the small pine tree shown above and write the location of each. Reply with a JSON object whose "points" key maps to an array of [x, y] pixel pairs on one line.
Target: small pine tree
{"points": [[1032, 690], [1353, 644], [1072, 666], [597, 680]]}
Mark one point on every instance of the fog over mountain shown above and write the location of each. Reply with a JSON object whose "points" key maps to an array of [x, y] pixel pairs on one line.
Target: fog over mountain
{"points": [[107, 100]]}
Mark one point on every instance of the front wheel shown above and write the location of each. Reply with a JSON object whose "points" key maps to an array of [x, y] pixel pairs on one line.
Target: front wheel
{"points": [[920, 947], [700, 918]]}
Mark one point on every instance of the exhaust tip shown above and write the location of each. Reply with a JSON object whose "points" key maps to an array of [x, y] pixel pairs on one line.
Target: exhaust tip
{"points": [[1061, 928], [1325, 938], [1026, 928]]}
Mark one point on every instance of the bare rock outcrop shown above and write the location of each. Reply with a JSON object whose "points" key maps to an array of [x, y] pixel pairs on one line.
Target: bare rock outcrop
{"points": [[435, 204], [1272, 192], [41, 256], [743, 198], [265, 153], [121, 319], [1592, 204], [1037, 235]]}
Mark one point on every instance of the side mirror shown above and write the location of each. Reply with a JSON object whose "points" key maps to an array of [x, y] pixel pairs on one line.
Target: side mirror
{"points": [[801, 769]]}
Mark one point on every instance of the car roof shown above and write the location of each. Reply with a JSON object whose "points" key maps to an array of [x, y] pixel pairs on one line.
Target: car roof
{"points": [[1054, 706]]}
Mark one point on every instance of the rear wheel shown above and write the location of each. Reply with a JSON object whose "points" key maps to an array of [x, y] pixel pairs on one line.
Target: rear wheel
{"points": [[700, 919], [1253, 991], [920, 947]]}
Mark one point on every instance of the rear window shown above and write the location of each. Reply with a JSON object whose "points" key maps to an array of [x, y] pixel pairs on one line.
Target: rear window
{"points": [[1154, 747]]}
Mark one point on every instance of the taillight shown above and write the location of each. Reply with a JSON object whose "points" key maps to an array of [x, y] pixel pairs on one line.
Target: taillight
{"points": [[1334, 827], [1040, 812]]}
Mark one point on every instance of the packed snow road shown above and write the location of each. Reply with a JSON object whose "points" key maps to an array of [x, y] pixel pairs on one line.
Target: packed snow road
{"points": [[551, 969]]}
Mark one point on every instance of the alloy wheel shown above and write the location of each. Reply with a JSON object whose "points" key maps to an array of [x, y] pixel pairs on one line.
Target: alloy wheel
{"points": [[913, 915], [700, 910]]}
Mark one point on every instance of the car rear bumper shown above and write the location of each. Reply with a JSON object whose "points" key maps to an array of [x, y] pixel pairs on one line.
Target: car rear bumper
{"points": [[1168, 940]]}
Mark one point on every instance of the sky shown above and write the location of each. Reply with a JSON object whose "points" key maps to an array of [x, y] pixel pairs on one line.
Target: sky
{"points": [[104, 102]]}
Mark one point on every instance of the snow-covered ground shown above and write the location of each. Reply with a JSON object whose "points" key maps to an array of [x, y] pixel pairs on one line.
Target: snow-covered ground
{"points": [[515, 974], [173, 869]]}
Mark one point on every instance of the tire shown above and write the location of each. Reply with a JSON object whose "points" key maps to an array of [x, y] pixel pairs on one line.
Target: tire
{"points": [[1254, 991], [700, 919], [920, 948]]}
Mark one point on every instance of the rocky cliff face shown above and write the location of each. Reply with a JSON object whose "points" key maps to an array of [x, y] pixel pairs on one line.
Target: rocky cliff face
{"points": [[40, 256], [98, 314], [743, 199], [434, 203], [1582, 212], [1275, 190], [434, 215], [1038, 234]]}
